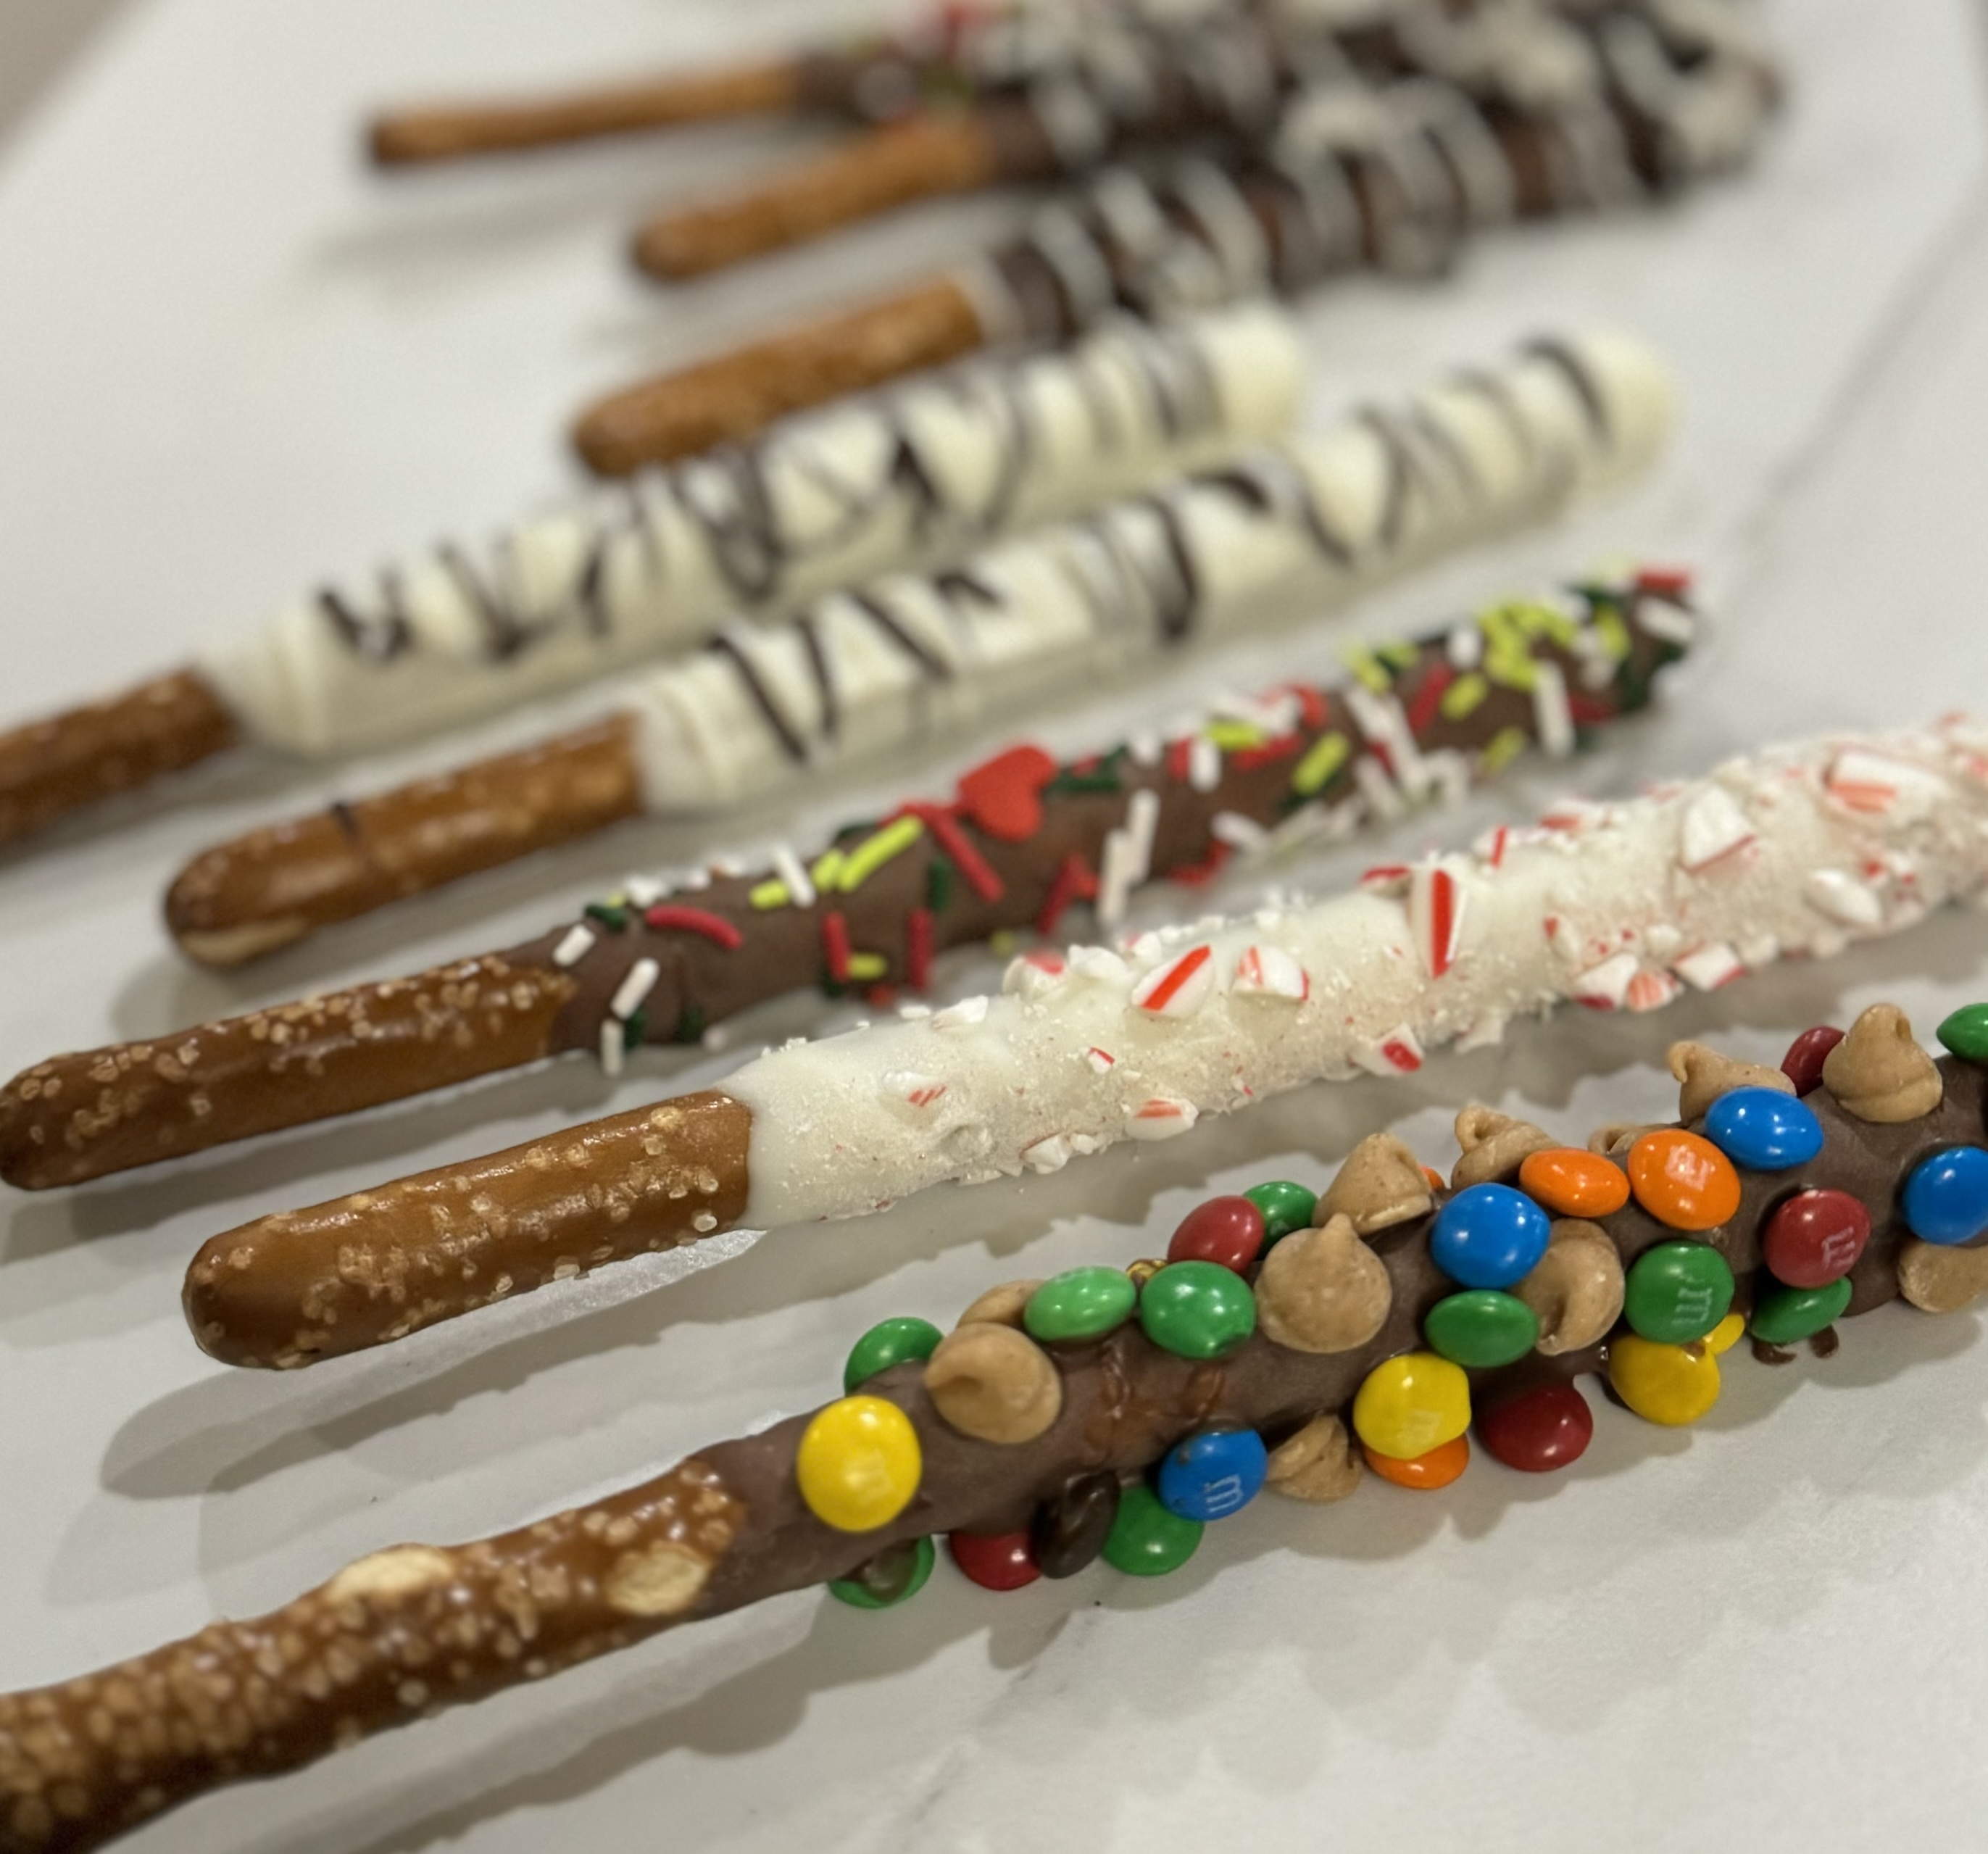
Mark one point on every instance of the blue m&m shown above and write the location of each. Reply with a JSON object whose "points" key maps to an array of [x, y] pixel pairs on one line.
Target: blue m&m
{"points": [[1489, 1236], [1945, 1199], [1763, 1129], [1213, 1474]]}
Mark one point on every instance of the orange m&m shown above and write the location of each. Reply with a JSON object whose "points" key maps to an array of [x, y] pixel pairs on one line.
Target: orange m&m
{"points": [[1424, 1474], [1682, 1180], [1570, 1182]]}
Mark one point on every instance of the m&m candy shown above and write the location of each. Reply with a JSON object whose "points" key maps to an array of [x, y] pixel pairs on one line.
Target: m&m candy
{"points": [[1803, 1064], [1539, 1430], [1080, 1304], [1683, 1180], [887, 1343], [1677, 1292], [1227, 1231], [1570, 1182], [1489, 1236], [1783, 1315], [1763, 1129], [1965, 1032], [1481, 1328], [1815, 1237], [1197, 1310], [1671, 1385], [1285, 1207], [1409, 1404], [1945, 1197], [858, 1463], [1145, 1539], [1213, 1474], [895, 1575], [1423, 1473], [995, 1561]]}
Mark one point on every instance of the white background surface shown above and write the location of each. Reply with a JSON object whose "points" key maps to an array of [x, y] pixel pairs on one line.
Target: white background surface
{"points": [[231, 361]]}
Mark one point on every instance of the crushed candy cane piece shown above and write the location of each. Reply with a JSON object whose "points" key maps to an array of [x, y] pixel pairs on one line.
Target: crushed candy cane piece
{"points": [[910, 1094], [1651, 991], [1606, 987], [1047, 1155], [1161, 1117], [1436, 917], [1179, 988], [1713, 827], [1269, 972], [1707, 968], [1397, 1053], [1843, 897], [1102, 1061]]}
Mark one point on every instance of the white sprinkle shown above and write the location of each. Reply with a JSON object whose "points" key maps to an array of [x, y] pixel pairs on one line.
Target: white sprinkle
{"points": [[1238, 832], [730, 867], [1204, 764], [1115, 879], [1666, 622], [793, 871], [644, 891], [640, 981], [611, 1049], [1144, 749], [692, 880], [717, 1037], [574, 947], [1465, 647], [1378, 790], [1551, 714], [1142, 819]]}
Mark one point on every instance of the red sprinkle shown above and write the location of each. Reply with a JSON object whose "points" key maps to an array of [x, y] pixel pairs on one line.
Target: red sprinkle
{"points": [[1073, 882], [1422, 709], [919, 948], [1286, 746], [973, 867], [1587, 710], [1669, 580], [1311, 704], [713, 927], [1177, 759], [1199, 875], [835, 946]]}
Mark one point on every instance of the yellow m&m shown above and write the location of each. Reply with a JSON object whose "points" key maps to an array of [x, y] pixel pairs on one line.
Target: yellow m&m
{"points": [[1671, 1385], [1410, 1405], [859, 1464]]}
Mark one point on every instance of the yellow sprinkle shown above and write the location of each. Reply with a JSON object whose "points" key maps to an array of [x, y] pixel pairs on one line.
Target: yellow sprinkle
{"points": [[867, 966], [1511, 667], [1466, 693], [1399, 656], [1369, 669], [1505, 746], [1535, 619], [1614, 634], [860, 864], [771, 894], [1233, 736], [1322, 759], [1001, 942], [827, 867]]}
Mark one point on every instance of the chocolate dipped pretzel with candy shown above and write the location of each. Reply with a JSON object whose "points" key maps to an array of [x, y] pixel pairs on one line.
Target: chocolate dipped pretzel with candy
{"points": [[914, 478], [1299, 527], [1512, 112], [1023, 842], [1287, 1340], [1797, 850]]}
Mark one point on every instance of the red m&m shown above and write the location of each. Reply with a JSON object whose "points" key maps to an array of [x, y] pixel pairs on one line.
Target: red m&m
{"points": [[1539, 1430], [1228, 1231], [1815, 1238], [995, 1561], [1803, 1064]]}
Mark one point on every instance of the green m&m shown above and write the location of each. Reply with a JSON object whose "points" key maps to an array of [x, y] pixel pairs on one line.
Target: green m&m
{"points": [[887, 1343], [1783, 1315], [1966, 1033], [1677, 1292], [1197, 1310], [1481, 1328], [1285, 1207], [1080, 1304], [1145, 1539], [895, 1575]]}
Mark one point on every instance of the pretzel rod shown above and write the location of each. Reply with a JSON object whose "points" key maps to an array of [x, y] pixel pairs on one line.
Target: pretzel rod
{"points": [[1288, 1340], [905, 658], [1800, 850], [667, 960], [915, 477], [1522, 114]]}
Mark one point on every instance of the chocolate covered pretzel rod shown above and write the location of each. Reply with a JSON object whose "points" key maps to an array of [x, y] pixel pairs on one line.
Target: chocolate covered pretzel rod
{"points": [[1797, 850], [1023, 843], [907, 659], [1288, 1340], [915, 477], [1515, 111]]}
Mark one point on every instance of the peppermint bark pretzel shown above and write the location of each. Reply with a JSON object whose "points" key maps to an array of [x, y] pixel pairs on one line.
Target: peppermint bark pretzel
{"points": [[666, 961], [1288, 1340], [1512, 111], [913, 478], [906, 659], [1797, 851]]}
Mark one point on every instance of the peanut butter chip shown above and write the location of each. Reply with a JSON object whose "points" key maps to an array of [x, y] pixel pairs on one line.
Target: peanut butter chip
{"points": [[1703, 1075], [1380, 1185], [400, 1571], [994, 1383], [1937, 1279], [1323, 1290], [661, 1581], [1319, 1463], [1879, 1073], [1494, 1146], [1576, 1288], [1617, 1136], [999, 1306]]}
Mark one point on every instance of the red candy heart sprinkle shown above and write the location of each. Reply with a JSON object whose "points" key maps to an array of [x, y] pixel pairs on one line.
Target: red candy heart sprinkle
{"points": [[1004, 795]]}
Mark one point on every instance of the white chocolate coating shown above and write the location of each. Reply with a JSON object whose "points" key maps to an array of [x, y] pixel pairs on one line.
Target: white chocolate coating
{"points": [[1801, 850], [1302, 526], [913, 476]]}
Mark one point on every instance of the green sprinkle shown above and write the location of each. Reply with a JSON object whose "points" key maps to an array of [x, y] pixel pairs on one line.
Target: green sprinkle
{"points": [[634, 1029], [690, 1026], [1065, 783], [1504, 747], [1465, 695], [1322, 759], [614, 920], [938, 883]]}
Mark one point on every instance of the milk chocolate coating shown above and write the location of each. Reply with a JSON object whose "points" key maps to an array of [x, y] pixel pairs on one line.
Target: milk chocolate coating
{"points": [[49, 769], [82, 1116], [241, 900], [417, 1628], [374, 1267]]}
